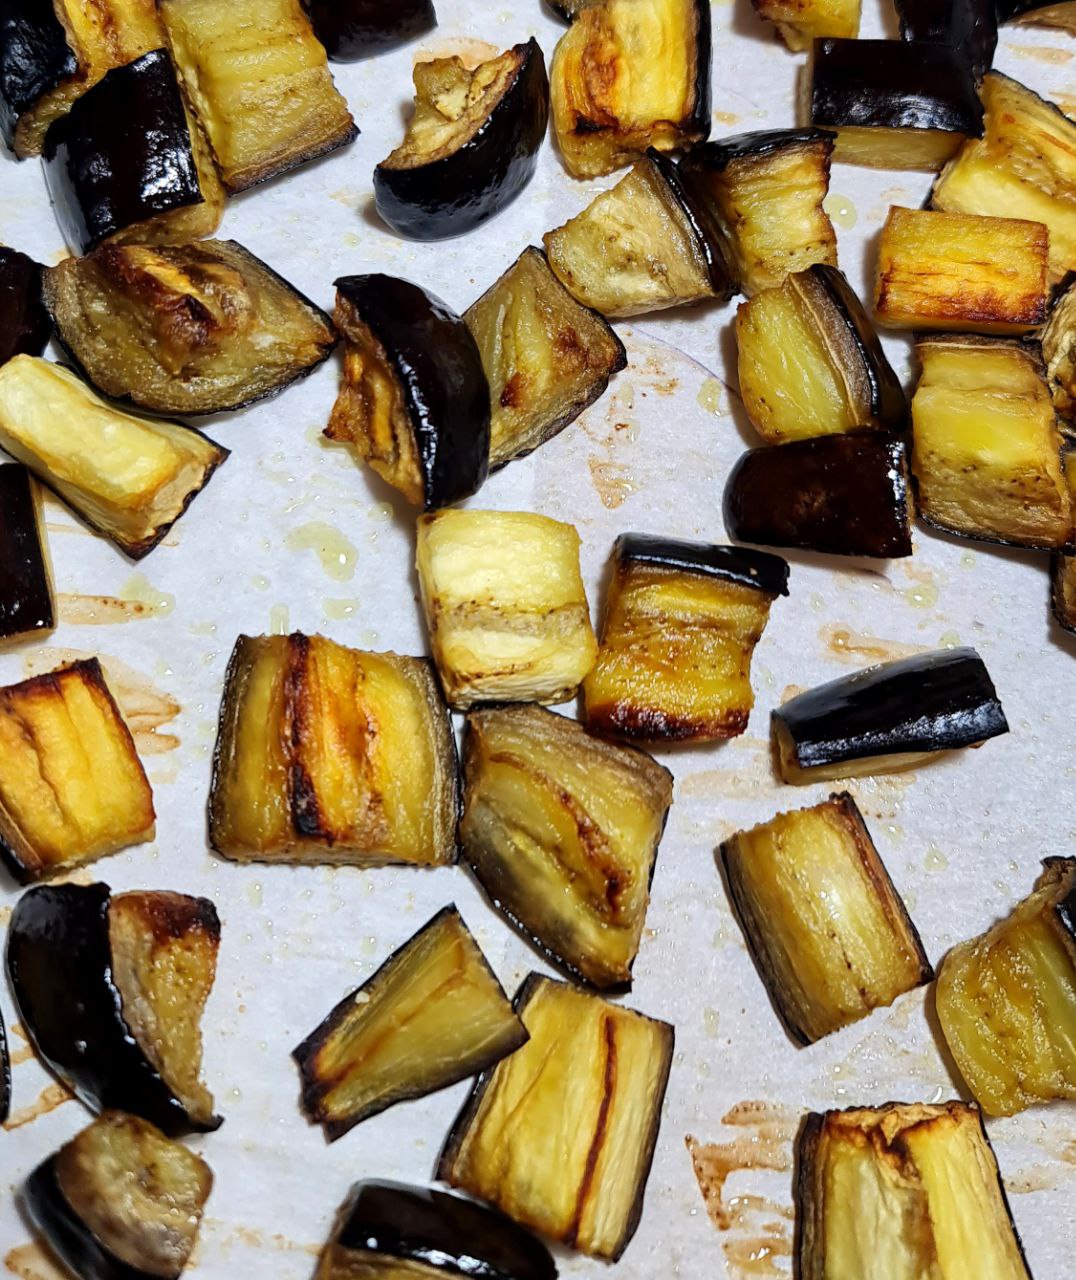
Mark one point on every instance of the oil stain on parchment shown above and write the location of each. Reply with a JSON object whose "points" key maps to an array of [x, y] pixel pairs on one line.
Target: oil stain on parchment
{"points": [[51, 1097]]}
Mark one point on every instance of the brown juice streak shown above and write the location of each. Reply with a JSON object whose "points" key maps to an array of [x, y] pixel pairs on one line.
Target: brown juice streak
{"points": [[51, 1097], [31, 1262]]}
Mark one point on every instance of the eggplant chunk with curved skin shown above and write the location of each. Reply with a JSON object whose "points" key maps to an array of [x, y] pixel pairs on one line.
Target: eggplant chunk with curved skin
{"points": [[111, 992], [415, 399], [1059, 13], [845, 495], [810, 363], [129, 478], [1058, 341], [546, 357], [26, 598], [433, 1014], [562, 831], [471, 145], [893, 105], [1063, 568], [629, 75], [800, 22], [354, 29], [120, 1201], [887, 718], [259, 82], [25, 325], [969, 26], [198, 328], [681, 623], [986, 445], [828, 932], [913, 1187], [330, 754], [561, 1134]]}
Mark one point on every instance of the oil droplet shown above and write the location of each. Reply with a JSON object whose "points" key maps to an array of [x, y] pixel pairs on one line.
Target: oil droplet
{"points": [[709, 396], [895, 831], [143, 592], [817, 603], [254, 894], [381, 512], [935, 860], [336, 553], [368, 639], [260, 582], [841, 210], [949, 640], [922, 596], [710, 1020], [340, 610], [368, 946], [203, 628], [967, 559], [279, 620]]}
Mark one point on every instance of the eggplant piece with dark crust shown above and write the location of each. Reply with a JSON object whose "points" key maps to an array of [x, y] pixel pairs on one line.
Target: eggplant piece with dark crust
{"points": [[354, 29], [111, 992], [845, 495], [681, 623], [562, 831], [1046, 13], [471, 145], [800, 22], [968, 26], [415, 399], [893, 105], [192, 329], [561, 1134], [432, 1015], [25, 325], [889, 717], [1058, 342], [120, 1201], [390, 1229], [26, 601], [546, 356]]}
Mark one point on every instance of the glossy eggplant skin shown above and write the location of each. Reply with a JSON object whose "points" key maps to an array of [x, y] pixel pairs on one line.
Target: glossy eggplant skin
{"points": [[756, 569], [34, 58], [59, 962], [354, 29], [25, 325], [122, 154], [968, 26], [26, 604], [840, 494], [5, 1074], [888, 401]]}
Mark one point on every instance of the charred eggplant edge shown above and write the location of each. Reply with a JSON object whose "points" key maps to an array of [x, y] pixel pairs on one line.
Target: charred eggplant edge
{"points": [[759, 570]]}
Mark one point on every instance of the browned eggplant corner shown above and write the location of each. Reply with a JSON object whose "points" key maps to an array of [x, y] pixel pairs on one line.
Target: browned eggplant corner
{"points": [[25, 325], [968, 26], [111, 992], [354, 29], [27, 606], [1047, 13]]}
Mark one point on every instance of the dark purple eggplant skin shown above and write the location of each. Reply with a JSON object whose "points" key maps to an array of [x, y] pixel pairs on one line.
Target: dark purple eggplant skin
{"points": [[34, 58], [716, 156], [5, 1074], [845, 495], [930, 702], [968, 26], [445, 386], [59, 962], [1065, 909], [25, 324], [352, 30], [758, 569], [441, 1230], [460, 191], [26, 604], [122, 153], [703, 222]]}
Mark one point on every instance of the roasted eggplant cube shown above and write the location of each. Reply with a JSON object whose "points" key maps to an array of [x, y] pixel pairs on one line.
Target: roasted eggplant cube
{"points": [[433, 1014], [968, 26], [643, 245], [810, 363], [987, 449], [26, 602], [72, 788], [120, 1201], [560, 1136], [629, 75], [25, 325], [828, 932], [1060, 13], [505, 606], [329, 754], [961, 272], [471, 145], [1006, 1000], [546, 357], [354, 29], [887, 718], [129, 478], [259, 81], [1063, 590], [801, 22], [415, 400], [198, 328], [893, 105], [129, 163], [562, 832], [764, 192], [1058, 340], [681, 623], [912, 1187], [844, 495]]}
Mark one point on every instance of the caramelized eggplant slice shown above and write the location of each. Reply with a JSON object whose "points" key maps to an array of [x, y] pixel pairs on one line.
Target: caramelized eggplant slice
{"points": [[681, 622], [764, 192], [25, 325], [968, 26], [643, 245], [810, 363], [5, 1074], [354, 29], [505, 606], [328, 754], [546, 357], [905, 1190], [259, 82], [120, 1201], [415, 400], [887, 718], [199, 328], [845, 495], [129, 478], [72, 788], [433, 1014], [562, 832], [893, 105], [987, 450], [26, 603], [828, 932], [111, 992], [1059, 13], [1058, 340], [561, 1135], [471, 145], [801, 22], [388, 1229], [628, 76]]}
